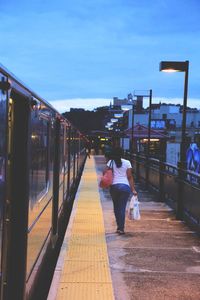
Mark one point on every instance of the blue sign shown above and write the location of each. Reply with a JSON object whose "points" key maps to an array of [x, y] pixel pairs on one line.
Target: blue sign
{"points": [[158, 124], [193, 158]]}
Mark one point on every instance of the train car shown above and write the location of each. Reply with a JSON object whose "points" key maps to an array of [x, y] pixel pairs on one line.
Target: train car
{"points": [[41, 159]]}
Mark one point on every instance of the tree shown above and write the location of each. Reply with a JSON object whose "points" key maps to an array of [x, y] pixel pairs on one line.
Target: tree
{"points": [[86, 121]]}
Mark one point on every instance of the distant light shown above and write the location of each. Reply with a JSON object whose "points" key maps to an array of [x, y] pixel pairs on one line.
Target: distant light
{"points": [[118, 115], [126, 107], [34, 136], [114, 120], [151, 140]]}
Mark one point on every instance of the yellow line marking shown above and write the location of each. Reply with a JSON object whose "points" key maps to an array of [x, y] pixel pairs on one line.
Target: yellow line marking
{"points": [[86, 272]]}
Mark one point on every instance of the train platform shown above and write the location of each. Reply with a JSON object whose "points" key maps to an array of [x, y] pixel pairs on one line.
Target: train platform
{"points": [[158, 257]]}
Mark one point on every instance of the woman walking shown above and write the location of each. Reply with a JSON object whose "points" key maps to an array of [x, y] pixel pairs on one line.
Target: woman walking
{"points": [[122, 186]]}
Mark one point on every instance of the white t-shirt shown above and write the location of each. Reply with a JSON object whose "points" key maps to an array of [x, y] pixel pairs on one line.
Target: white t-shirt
{"points": [[120, 175]]}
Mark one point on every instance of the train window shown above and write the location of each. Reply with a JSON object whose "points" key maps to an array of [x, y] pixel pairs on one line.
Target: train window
{"points": [[51, 140], [3, 114], [41, 183], [62, 165], [62, 132], [66, 161], [39, 159], [72, 158]]}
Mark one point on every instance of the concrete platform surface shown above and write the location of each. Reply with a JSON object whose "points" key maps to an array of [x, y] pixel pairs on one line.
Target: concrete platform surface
{"points": [[158, 258]]}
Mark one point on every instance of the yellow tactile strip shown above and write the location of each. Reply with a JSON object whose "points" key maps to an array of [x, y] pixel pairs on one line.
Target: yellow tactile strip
{"points": [[86, 291], [86, 272]]}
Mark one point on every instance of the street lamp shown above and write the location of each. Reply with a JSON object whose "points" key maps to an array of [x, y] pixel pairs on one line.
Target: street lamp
{"points": [[117, 117], [113, 120], [127, 108], [120, 115], [180, 66], [147, 94]]}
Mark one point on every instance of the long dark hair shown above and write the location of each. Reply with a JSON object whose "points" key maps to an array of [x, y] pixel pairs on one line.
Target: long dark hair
{"points": [[116, 155]]}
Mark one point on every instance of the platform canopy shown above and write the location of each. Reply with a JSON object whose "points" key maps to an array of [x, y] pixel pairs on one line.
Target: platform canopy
{"points": [[141, 131]]}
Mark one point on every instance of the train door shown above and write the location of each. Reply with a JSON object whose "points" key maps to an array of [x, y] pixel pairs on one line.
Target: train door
{"points": [[16, 206], [72, 158], [3, 162], [57, 180], [67, 134], [62, 159], [68, 146], [74, 155]]}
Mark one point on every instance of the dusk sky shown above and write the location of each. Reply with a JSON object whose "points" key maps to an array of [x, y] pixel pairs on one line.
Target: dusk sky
{"points": [[82, 53]]}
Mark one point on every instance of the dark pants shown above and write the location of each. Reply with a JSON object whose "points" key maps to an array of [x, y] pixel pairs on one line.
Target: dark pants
{"points": [[120, 194]]}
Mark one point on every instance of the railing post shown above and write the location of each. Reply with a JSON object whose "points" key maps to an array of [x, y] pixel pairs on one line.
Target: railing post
{"points": [[147, 172], [137, 167], [161, 181], [131, 158], [180, 205]]}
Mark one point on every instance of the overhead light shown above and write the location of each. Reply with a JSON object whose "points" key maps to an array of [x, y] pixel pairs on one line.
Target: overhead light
{"points": [[125, 107], [118, 115], [114, 120], [174, 66]]}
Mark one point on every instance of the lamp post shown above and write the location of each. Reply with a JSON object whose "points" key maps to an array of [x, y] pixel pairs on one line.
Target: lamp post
{"points": [[114, 125], [122, 116], [126, 108], [132, 129], [148, 95], [149, 122], [132, 126], [180, 66]]}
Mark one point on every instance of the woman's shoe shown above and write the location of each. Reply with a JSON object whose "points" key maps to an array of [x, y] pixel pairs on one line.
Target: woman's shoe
{"points": [[120, 232]]}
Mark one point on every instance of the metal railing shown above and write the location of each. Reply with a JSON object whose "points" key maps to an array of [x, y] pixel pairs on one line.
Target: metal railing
{"points": [[179, 188]]}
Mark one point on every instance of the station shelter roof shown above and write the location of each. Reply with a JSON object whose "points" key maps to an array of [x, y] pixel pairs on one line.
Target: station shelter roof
{"points": [[141, 131]]}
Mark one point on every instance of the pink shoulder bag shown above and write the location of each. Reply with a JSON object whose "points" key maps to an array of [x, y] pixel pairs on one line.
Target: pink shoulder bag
{"points": [[107, 178]]}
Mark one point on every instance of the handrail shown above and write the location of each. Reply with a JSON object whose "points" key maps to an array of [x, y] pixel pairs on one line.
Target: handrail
{"points": [[178, 187], [167, 166]]}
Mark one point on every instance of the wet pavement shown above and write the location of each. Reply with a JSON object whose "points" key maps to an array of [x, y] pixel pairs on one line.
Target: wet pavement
{"points": [[158, 258]]}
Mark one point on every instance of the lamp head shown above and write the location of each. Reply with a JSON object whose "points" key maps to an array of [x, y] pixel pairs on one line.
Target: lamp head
{"points": [[120, 115], [174, 66], [125, 107], [113, 120]]}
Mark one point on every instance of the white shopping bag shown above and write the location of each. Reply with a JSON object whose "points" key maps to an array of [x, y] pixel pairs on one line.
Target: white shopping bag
{"points": [[133, 209]]}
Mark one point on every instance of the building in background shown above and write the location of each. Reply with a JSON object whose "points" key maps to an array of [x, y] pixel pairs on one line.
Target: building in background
{"points": [[165, 119]]}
